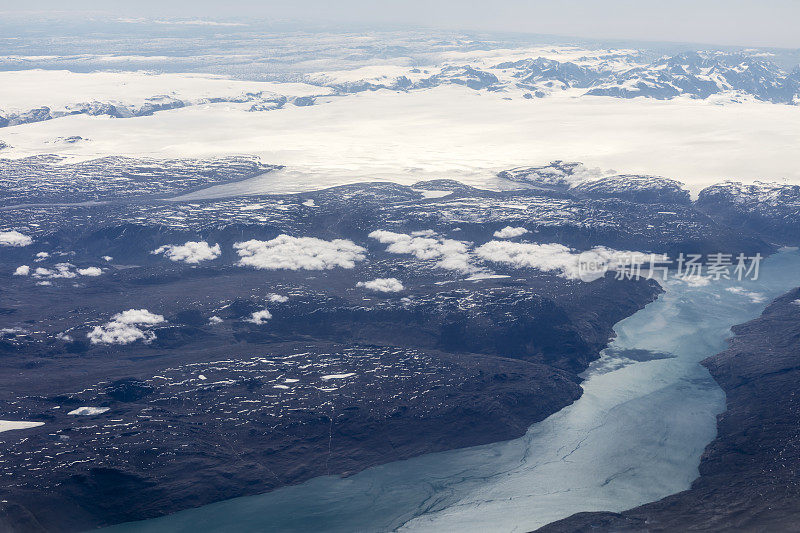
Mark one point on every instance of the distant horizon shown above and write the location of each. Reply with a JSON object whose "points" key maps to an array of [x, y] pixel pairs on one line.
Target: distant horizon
{"points": [[733, 23]]}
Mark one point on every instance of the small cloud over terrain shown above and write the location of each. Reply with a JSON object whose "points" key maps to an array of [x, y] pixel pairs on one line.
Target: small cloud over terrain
{"points": [[191, 252], [553, 257], [126, 327], [259, 317], [14, 238], [451, 254], [382, 285], [63, 271], [509, 232], [299, 253]]}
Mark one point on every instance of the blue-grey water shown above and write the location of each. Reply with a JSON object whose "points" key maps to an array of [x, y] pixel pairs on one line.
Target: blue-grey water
{"points": [[636, 435]]}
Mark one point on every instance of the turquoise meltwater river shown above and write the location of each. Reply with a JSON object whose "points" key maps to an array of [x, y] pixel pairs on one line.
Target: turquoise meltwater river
{"points": [[636, 435]]}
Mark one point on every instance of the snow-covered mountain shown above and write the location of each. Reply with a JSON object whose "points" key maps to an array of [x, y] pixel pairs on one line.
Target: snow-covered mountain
{"points": [[698, 74], [769, 207], [261, 101], [703, 74], [724, 76]]}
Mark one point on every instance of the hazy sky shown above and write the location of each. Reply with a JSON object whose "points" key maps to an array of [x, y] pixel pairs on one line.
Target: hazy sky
{"points": [[738, 22]]}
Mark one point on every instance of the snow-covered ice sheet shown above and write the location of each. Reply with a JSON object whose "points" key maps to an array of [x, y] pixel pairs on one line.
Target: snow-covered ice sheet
{"points": [[446, 132], [22, 90]]}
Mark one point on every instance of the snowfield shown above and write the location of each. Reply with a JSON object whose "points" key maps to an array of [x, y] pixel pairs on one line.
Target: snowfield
{"points": [[22, 90], [447, 131]]}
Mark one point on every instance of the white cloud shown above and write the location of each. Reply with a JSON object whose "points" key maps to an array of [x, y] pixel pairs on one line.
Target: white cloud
{"points": [[42, 272], [451, 254], [88, 411], [191, 252], [382, 285], [796, 302], [259, 317], [124, 328], [555, 257], [41, 256], [138, 316], [214, 320], [547, 257], [107, 258], [299, 253], [14, 238], [277, 298], [60, 270], [309, 203], [755, 297], [509, 233]]}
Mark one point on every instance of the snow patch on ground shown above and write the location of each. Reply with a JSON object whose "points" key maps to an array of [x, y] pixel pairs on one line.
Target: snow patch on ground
{"points": [[88, 411], [337, 376], [8, 425]]}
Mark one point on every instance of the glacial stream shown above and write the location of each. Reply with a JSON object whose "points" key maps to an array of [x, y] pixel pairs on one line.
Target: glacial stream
{"points": [[636, 435]]}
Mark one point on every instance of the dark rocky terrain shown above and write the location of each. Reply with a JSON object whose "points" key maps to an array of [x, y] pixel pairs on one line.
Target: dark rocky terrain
{"points": [[207, 402], [750, 474], [433, 368], [769, 208], [623, 212], [48, 179]]}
